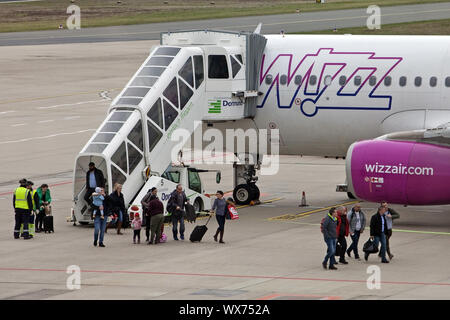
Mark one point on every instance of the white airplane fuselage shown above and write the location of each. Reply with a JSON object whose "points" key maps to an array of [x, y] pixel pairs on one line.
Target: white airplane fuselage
{"points": [[392, 83]]}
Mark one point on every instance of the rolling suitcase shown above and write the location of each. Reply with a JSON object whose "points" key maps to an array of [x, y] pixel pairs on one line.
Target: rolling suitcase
{"points": [[48, 224], [198, 232]]}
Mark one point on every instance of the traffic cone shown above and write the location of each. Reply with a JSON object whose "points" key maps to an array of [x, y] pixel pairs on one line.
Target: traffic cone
{"points": [[303, 203]]}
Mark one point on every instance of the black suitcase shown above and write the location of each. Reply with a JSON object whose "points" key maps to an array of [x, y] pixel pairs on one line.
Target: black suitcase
{"points": [[48, 224], [198, 232]]}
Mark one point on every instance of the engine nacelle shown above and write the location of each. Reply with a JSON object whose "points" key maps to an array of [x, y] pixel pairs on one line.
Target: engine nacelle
{"points": [[402, 172]]}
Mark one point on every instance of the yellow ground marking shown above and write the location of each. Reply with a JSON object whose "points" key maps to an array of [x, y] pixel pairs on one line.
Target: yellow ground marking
{"points": [[292, 216]]}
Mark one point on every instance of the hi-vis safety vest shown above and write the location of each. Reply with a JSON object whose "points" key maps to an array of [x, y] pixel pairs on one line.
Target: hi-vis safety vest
{"points": [[21, 198], [32, 199]]}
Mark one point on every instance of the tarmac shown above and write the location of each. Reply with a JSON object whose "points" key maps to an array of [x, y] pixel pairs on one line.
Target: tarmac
{"points": [[53, 97]]}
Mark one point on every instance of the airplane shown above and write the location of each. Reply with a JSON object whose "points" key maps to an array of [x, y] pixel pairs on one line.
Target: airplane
{"points": [[380, 102]]}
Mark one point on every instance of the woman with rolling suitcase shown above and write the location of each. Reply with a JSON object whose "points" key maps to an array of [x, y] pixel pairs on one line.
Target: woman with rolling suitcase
{"points": [[220, 209]]}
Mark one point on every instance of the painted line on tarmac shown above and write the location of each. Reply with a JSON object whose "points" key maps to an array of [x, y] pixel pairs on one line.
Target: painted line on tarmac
{"points": [[395, 230], [9, 111], [46, 137], [72, 104], [291, 216], [185, 274]]}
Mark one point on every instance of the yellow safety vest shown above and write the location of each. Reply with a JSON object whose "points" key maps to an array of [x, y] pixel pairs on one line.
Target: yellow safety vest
{"points": [[21, 198], [32, 199]]}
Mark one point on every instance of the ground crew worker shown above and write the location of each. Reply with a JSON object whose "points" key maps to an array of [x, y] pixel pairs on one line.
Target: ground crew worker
{"points": [[23, 203], [35, 210]]}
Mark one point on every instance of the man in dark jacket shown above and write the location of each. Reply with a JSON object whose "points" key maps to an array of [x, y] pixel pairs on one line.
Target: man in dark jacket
{"points": [[342, 232], [378, 231], [116, 205], [175, 206], [357, 222], [329, 235], [145, 203], [94, 179]]}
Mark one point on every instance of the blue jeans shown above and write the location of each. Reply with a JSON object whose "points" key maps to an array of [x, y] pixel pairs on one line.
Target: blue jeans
{"points": [[331, 249], [99, 227], [120, 216], [381, 239], [175, 226], [354, 245]]}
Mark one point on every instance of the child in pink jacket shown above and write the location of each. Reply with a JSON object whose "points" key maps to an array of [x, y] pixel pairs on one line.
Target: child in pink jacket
{"points": [[137, 224]]}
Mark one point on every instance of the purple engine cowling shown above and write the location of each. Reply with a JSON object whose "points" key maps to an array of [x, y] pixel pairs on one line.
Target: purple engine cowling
{"points": [[402, 172]]}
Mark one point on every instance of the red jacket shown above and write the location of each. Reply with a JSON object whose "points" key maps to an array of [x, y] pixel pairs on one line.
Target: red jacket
{"points": [[338, 227]]}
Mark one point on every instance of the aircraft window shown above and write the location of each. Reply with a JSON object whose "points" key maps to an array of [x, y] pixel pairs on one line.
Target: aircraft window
{"points": [[357, 81], [134, 157], [194, 181], [117, 176], [387, 81], [119, 116], [111, 127], [167, 51], [131, 101], [171, 92], [143, 82], [312, 80], [136, 136], [269, 79], [120, 157], [372, 81], [185, 93], [153, 135], [187, 73], [235, 66], [239, 57], [327, 80], [135, 92], [298, 80], [418, 81], [447, 82], [217, 67], [159, 61], [152, 71], [169, 114], [283, 79], [104, 137], [155, 113], [433, 82], [198, 67], [402, 81], [96, 147]]}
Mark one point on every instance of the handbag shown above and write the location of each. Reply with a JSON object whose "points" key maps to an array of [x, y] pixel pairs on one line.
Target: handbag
{"points": [[370, 247], [338, 251], [233, 213]]}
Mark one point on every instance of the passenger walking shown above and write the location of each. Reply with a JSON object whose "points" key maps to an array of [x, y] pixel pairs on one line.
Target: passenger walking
{"points": [[175, 206], [151, 194], [137, 225], [390, 215], [116, 204], [220, 209], [99, 229], [378, 231], [329, 228], [23, 204], [94, 179], [44, 206], [156, 211], [342, 229], [357, 223]]}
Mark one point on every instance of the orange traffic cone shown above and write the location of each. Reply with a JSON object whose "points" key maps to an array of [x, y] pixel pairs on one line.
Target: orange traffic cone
{"points": [[303, 202]]}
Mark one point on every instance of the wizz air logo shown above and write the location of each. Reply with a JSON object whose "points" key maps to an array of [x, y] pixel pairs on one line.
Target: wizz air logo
{"points": [[328, 80]]}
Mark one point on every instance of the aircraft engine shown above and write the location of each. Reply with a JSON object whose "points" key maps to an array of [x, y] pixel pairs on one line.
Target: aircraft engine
{"points": [[402, 172]]}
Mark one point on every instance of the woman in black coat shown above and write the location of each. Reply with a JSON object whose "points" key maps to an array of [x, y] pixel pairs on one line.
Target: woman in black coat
{"points": [[116, 204]]}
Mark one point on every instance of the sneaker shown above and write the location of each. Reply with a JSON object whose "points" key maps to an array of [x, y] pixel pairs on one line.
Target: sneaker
{"points": [[182, 237], [384, 261], [101, 245], [95, 243], [324, 265], [366, 256], [348, 253], [332, 267], [391, 256], [175, 238], [150, 242], [343, 262]]}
